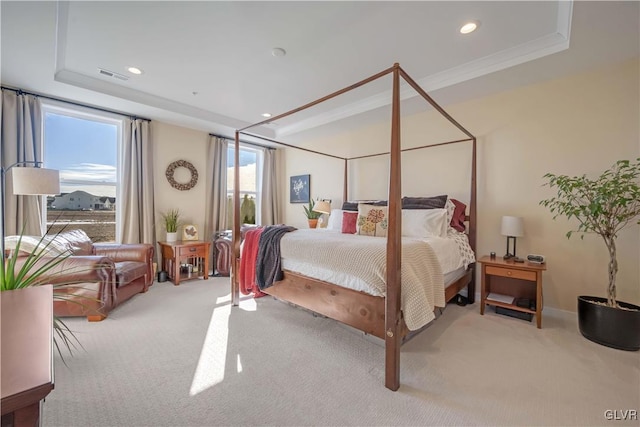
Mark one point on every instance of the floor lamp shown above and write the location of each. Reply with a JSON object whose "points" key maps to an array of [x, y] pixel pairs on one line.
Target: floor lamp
{"points": [[27, 181]]}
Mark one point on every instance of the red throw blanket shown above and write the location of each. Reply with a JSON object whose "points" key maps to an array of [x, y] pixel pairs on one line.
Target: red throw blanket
{"points": [[248, 263]]}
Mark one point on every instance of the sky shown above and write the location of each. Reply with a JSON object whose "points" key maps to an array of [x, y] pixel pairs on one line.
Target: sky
{"points": [[85, 153]]}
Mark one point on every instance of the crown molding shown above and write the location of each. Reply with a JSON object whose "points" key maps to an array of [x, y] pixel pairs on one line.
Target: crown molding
{"points": [[64, 75], [535, 49], [529, 51]]}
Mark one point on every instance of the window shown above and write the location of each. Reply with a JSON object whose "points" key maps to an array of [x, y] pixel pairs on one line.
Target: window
{"points": [[83, 146], [250, 183]]}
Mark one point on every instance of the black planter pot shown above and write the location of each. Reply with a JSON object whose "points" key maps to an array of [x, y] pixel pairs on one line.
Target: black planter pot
{"points": [[609, 326]]}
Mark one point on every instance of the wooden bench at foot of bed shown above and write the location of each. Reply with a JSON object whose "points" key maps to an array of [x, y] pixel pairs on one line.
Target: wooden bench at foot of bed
{"points": [[357, 309]]}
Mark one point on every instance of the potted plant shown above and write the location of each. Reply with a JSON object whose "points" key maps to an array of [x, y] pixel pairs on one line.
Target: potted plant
{"points": [[171, 220], [312, 216], [603, 206], [38, 266]]}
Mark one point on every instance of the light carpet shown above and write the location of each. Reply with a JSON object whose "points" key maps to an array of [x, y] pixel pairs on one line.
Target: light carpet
{"points": [[182, 356]]}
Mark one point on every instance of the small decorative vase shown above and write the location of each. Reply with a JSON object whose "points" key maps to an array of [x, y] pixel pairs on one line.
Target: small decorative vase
{"points": [[172, 237], [313, 223]]}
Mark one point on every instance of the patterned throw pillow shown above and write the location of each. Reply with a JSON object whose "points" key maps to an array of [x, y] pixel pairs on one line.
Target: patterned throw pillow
{"points": [[349, 222], [353, 206], [372, 220]]}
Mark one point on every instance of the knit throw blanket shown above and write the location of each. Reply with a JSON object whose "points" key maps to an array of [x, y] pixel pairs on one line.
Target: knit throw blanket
{"points": [[268, 261]]}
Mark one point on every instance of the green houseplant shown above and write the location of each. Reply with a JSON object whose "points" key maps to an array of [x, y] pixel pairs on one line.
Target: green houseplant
{"points": [[603, 206], [171, 220], [312, 216], [34, 271]]}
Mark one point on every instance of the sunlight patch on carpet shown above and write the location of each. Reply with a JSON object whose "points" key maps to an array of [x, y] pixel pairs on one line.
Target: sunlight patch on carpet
{"points": [[211, 364], [248, 304]]}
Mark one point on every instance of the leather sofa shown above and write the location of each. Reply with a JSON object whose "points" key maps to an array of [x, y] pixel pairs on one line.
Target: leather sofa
{"points": [[96, 277]]}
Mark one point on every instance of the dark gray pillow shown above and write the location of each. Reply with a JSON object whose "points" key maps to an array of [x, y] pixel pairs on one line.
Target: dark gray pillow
{"points": [[436, 202]]}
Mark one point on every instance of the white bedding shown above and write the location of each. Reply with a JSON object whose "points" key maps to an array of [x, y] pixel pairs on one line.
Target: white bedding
{"points": [[359, 263]]}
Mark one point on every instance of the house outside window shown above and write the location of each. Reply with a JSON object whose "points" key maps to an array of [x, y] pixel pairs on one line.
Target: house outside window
{"points": [[250, 184], [83, 145]]}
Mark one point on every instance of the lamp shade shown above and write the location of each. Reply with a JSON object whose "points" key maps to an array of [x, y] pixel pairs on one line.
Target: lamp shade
{"points": [[35, 181], [512, 226], [322, 207]]}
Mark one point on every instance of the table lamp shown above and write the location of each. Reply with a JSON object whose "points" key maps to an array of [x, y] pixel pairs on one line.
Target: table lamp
{"points": [[324, 207], [512, 227]]}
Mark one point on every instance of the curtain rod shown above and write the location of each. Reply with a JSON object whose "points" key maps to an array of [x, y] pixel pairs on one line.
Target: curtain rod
{"points": [[255, 144], [78, 104]]}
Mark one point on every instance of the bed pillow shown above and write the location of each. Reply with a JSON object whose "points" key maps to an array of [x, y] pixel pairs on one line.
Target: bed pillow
{"points": [[437, 202], [349, 220], [424, 223], [335, 220], [457, 220], [372, 220]]}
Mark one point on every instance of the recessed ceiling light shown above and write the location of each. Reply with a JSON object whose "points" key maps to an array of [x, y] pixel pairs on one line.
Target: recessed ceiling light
{"points": [[278, 51], [134, 70], [469, 27], [266, 114]]}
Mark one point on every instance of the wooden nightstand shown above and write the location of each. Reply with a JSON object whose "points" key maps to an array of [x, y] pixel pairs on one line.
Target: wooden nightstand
{"points": [[511, 279], [194, 252]]}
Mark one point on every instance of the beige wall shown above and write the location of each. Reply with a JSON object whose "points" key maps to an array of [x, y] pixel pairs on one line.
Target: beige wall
{"points": [[575, 125], [173, 143]]}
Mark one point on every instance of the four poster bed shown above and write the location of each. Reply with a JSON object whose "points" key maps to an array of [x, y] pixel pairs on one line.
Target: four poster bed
{"points": [[380, 316]]}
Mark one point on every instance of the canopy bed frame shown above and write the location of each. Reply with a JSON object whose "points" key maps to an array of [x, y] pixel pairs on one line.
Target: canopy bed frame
{"points": [[379, 316]]}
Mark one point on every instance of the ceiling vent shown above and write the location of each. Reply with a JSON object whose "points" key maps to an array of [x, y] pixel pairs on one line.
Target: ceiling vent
{"points": [[112, 74]]}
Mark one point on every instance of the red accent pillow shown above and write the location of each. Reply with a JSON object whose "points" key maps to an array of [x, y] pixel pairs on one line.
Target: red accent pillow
{"points": [[457, 221], [349, 222]]}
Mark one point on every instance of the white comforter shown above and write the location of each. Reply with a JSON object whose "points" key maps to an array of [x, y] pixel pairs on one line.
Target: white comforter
{"points": [[359, 263]]}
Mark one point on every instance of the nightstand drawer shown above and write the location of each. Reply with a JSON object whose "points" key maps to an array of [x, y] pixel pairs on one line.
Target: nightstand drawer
{"points": [[512, 273], [194, 251]]}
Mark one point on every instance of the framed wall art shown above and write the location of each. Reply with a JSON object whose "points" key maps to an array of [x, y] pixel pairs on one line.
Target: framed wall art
{"points": [[299, 189], [189, 232]]}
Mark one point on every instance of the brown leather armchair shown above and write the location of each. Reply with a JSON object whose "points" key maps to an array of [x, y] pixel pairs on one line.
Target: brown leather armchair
{"points": [[223, 256], [97, 277]]}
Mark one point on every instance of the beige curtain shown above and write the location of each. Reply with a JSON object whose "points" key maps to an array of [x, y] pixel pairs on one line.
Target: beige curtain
{"points": [[269, 193], [136, 205], [216, 184], [21, 140], [216, 196]]}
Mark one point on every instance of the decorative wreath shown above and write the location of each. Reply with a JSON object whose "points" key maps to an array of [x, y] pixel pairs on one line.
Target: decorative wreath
{"points": [[182, 164]]}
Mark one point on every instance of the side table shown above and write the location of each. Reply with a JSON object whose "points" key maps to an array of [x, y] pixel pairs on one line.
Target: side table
{"points": [[194, 254], [27, 354], [506, 278]]}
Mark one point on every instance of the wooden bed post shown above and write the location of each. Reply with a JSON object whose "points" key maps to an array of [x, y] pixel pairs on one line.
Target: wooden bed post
{"points": [[471, 288], [393, 338], [344, 189], [235, 276]]}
